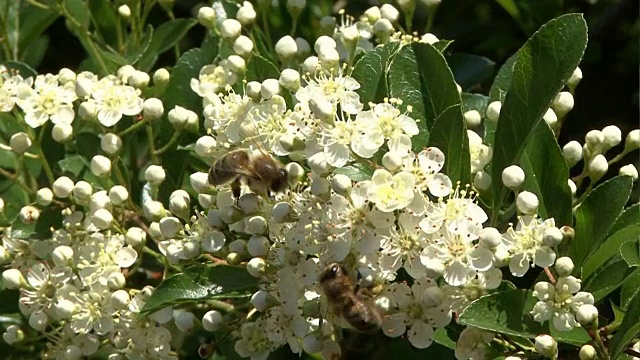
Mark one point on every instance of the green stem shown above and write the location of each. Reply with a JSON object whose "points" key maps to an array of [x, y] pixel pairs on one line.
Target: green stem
{"points": [[152, 146], [132, 128], [601, 349], [618, 157], [294, 27], [220, 305], [161, 259], [267, 32], [14, 179], [37, 4], [167, 146]]}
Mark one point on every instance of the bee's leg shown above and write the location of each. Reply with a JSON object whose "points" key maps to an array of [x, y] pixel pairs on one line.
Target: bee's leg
{"points": [[235, 188]]}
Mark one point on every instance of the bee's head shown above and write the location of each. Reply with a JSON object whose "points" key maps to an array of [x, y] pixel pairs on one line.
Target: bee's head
{"points": [[280, 181], [332, 271]]}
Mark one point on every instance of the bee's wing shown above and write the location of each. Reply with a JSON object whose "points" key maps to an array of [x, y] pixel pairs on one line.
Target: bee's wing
{"points": [[238, 169]]}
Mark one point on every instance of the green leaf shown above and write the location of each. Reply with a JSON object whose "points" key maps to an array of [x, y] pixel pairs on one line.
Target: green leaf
{"points": [[470, 70], [34, 51], [542, 68], [164, 38], [505, 312], [356, 172], [404, 83], [15, 197], [259, 69], [609, 248], [628, 330], [179, 88], [88, 144], [104, 17], [630, 289], [371, 73], [33, 22], [79, 11], [502, 81], [401, 348], [630, 216], [50, 217], [547, 175], [477, 102], [134, 50], [74, 165], [442, 45], [596, 215], [630, 252], [449, 134], [608, 277], [200, 283], [21, 68]]}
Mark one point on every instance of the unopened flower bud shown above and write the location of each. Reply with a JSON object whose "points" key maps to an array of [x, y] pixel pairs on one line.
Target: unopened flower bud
{"points": [[20, 142], [100, 166], [482, 180], [472, 118], [563, 103], [152, 109], [290, 79], [572, 153], [527, 203], [389, 12], [234, 258], [269, 88], [574, 79], [320, 187], [391, 160], [281, 212], [243, 46], [139, 80], [324, 41], [118, 194], [257, 267], [258, 246], [62, 187], [155, 175], [341, 184], [102, 219], [632, 140], [170, 226], [568, 233], [304, 49], [513, 177], [598, 166], [321, 108], [286, 48], [550, 117], [319, 165], [124, 11], [552, 236], [38, 320], [256, 225], [29, 214], [211, 320], [119, 299], [586, 314], [161, 79], [310, 65], [246, 14], [87, 110], [236, 64], [13, 335], [349, 37], [207, 17], [373, 14], [429, 38], [61, 132], [572, 187], [111, 143], [629, 170], [12, 279], [82, 191], [135, 236], [44, 196], [587, 352], [612, 136], [546, 346], [295, 7], [383, 29], [490, 237], [116, 281], [329, 57], [249, 203], [493, 111], [327, 24], [230, 29], [564, 266], [153, 210], [199, 181], [185, 321], [100, 200]]}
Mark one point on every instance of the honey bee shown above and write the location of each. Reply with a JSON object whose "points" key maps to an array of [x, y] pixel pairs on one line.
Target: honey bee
{"points": [[347, 300], [260, 171]]}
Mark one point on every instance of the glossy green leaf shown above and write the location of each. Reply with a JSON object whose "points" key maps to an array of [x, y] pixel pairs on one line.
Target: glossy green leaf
{"points": [[404, 83], [477, 102], [609, 248], [541, 69], [371, 73], [356, 172], [33, 22], [179, 88], [259, 69], [401, 348], [596, 215], [546, 175], [104, 17], [630, 289], [14, 197], [630, 252], [630, 216], [134, 50], [73, 165], [88, 144], [629, 329], [608, 277], [34, 51], [21, 68], [470, 70], [50, 217], [200, 283], [79, 11], [10, 20], [502, 81], [449, 134], [164, 38], [442, 45]]}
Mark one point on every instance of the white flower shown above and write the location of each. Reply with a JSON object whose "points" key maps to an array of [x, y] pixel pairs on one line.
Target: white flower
{"points": [[455, 252], [212, 79], [459, 297], [404, 244], [526, 245], [473, 343], [391, 192], [385, 122], [560, 303], [425, 167], [480, 153], [254, 341], [460, 204], [113, 100], [10, 86], [47, 100], [419, 308], [334, 89]]}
